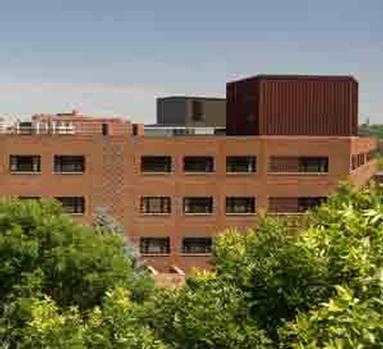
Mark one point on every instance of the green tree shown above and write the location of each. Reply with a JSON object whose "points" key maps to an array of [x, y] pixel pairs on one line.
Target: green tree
{"points": [[53, 268], [45, 327], [116, 325], [284, 275], [277, 274], [318, 286], [38, 323], [343, 322], [206, 313], [72, 264]]}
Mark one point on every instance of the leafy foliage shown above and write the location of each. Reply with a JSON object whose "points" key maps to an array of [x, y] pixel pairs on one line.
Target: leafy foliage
{"points": [[207, 313], [279, 276], [320, 286], [343, 322], [289, 277], [49, 265], [115, 325], [72, 264], [371, 130]]}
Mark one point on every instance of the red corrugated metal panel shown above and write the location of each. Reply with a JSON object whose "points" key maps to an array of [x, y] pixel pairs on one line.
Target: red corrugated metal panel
{"points": [[242, 103], [293, 105], [308, 107]]}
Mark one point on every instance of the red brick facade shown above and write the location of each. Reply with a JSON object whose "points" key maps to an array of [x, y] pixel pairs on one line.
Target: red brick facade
{"points": [[301, 142], [113, 179]]}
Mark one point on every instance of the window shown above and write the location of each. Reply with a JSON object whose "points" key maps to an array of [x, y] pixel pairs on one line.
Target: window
{"points": [[155, 205], [155, 245], [25, 163], [241, 164], [293, 204], [313, 164], [360, 160], [135, 130], [157, 164], [105, 129], [354, 162], [196, 245], [69, 163], [198, 164], [303, 164], [72, 204], [307, 203], [283, 164], [198, 205], [240, 205], [197, 110], [370, 155]]}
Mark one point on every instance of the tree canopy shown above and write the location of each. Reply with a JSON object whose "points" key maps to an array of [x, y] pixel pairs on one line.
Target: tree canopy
{"points": [[320, 286]]}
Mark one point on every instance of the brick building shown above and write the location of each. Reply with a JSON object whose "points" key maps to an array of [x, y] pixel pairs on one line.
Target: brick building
{"points": [[173, 193]]}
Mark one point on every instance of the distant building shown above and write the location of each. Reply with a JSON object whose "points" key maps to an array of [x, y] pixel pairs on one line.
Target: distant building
{"points": [[191, 111], [289, 141]]}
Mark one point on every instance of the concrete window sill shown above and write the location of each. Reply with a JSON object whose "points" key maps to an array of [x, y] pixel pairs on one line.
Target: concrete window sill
{"points": [[199, 173], [286, 213], [25, 173], [297, 173], [155, 214], [233, 214], [68, 173], [156, 173], [196, 254], [198, 214], [156, 254], [241, 173]]}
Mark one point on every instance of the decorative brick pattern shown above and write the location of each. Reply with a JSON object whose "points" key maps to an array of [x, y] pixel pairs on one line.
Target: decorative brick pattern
{"points": [[113, 179]]}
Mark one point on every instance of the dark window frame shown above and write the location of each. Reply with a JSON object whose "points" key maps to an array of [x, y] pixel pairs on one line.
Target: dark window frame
{"points": [[105, 129], [230, 204], [32, 166], [147, 160], [187, 207], [320, 163], [294, 205], [299, 164], [135, 130], [307, 203], [190, 245], [78, 204], [60, 162], [163, 248], [190, 164], [245, 161], [147, 205], [370, 155], [354, 161]]}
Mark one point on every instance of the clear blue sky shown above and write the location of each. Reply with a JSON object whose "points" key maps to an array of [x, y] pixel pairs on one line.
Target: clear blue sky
{"points": [[114, 57]]}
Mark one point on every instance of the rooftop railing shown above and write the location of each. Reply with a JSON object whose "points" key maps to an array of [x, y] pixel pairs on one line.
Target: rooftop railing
{"points": [[63, 128]]}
